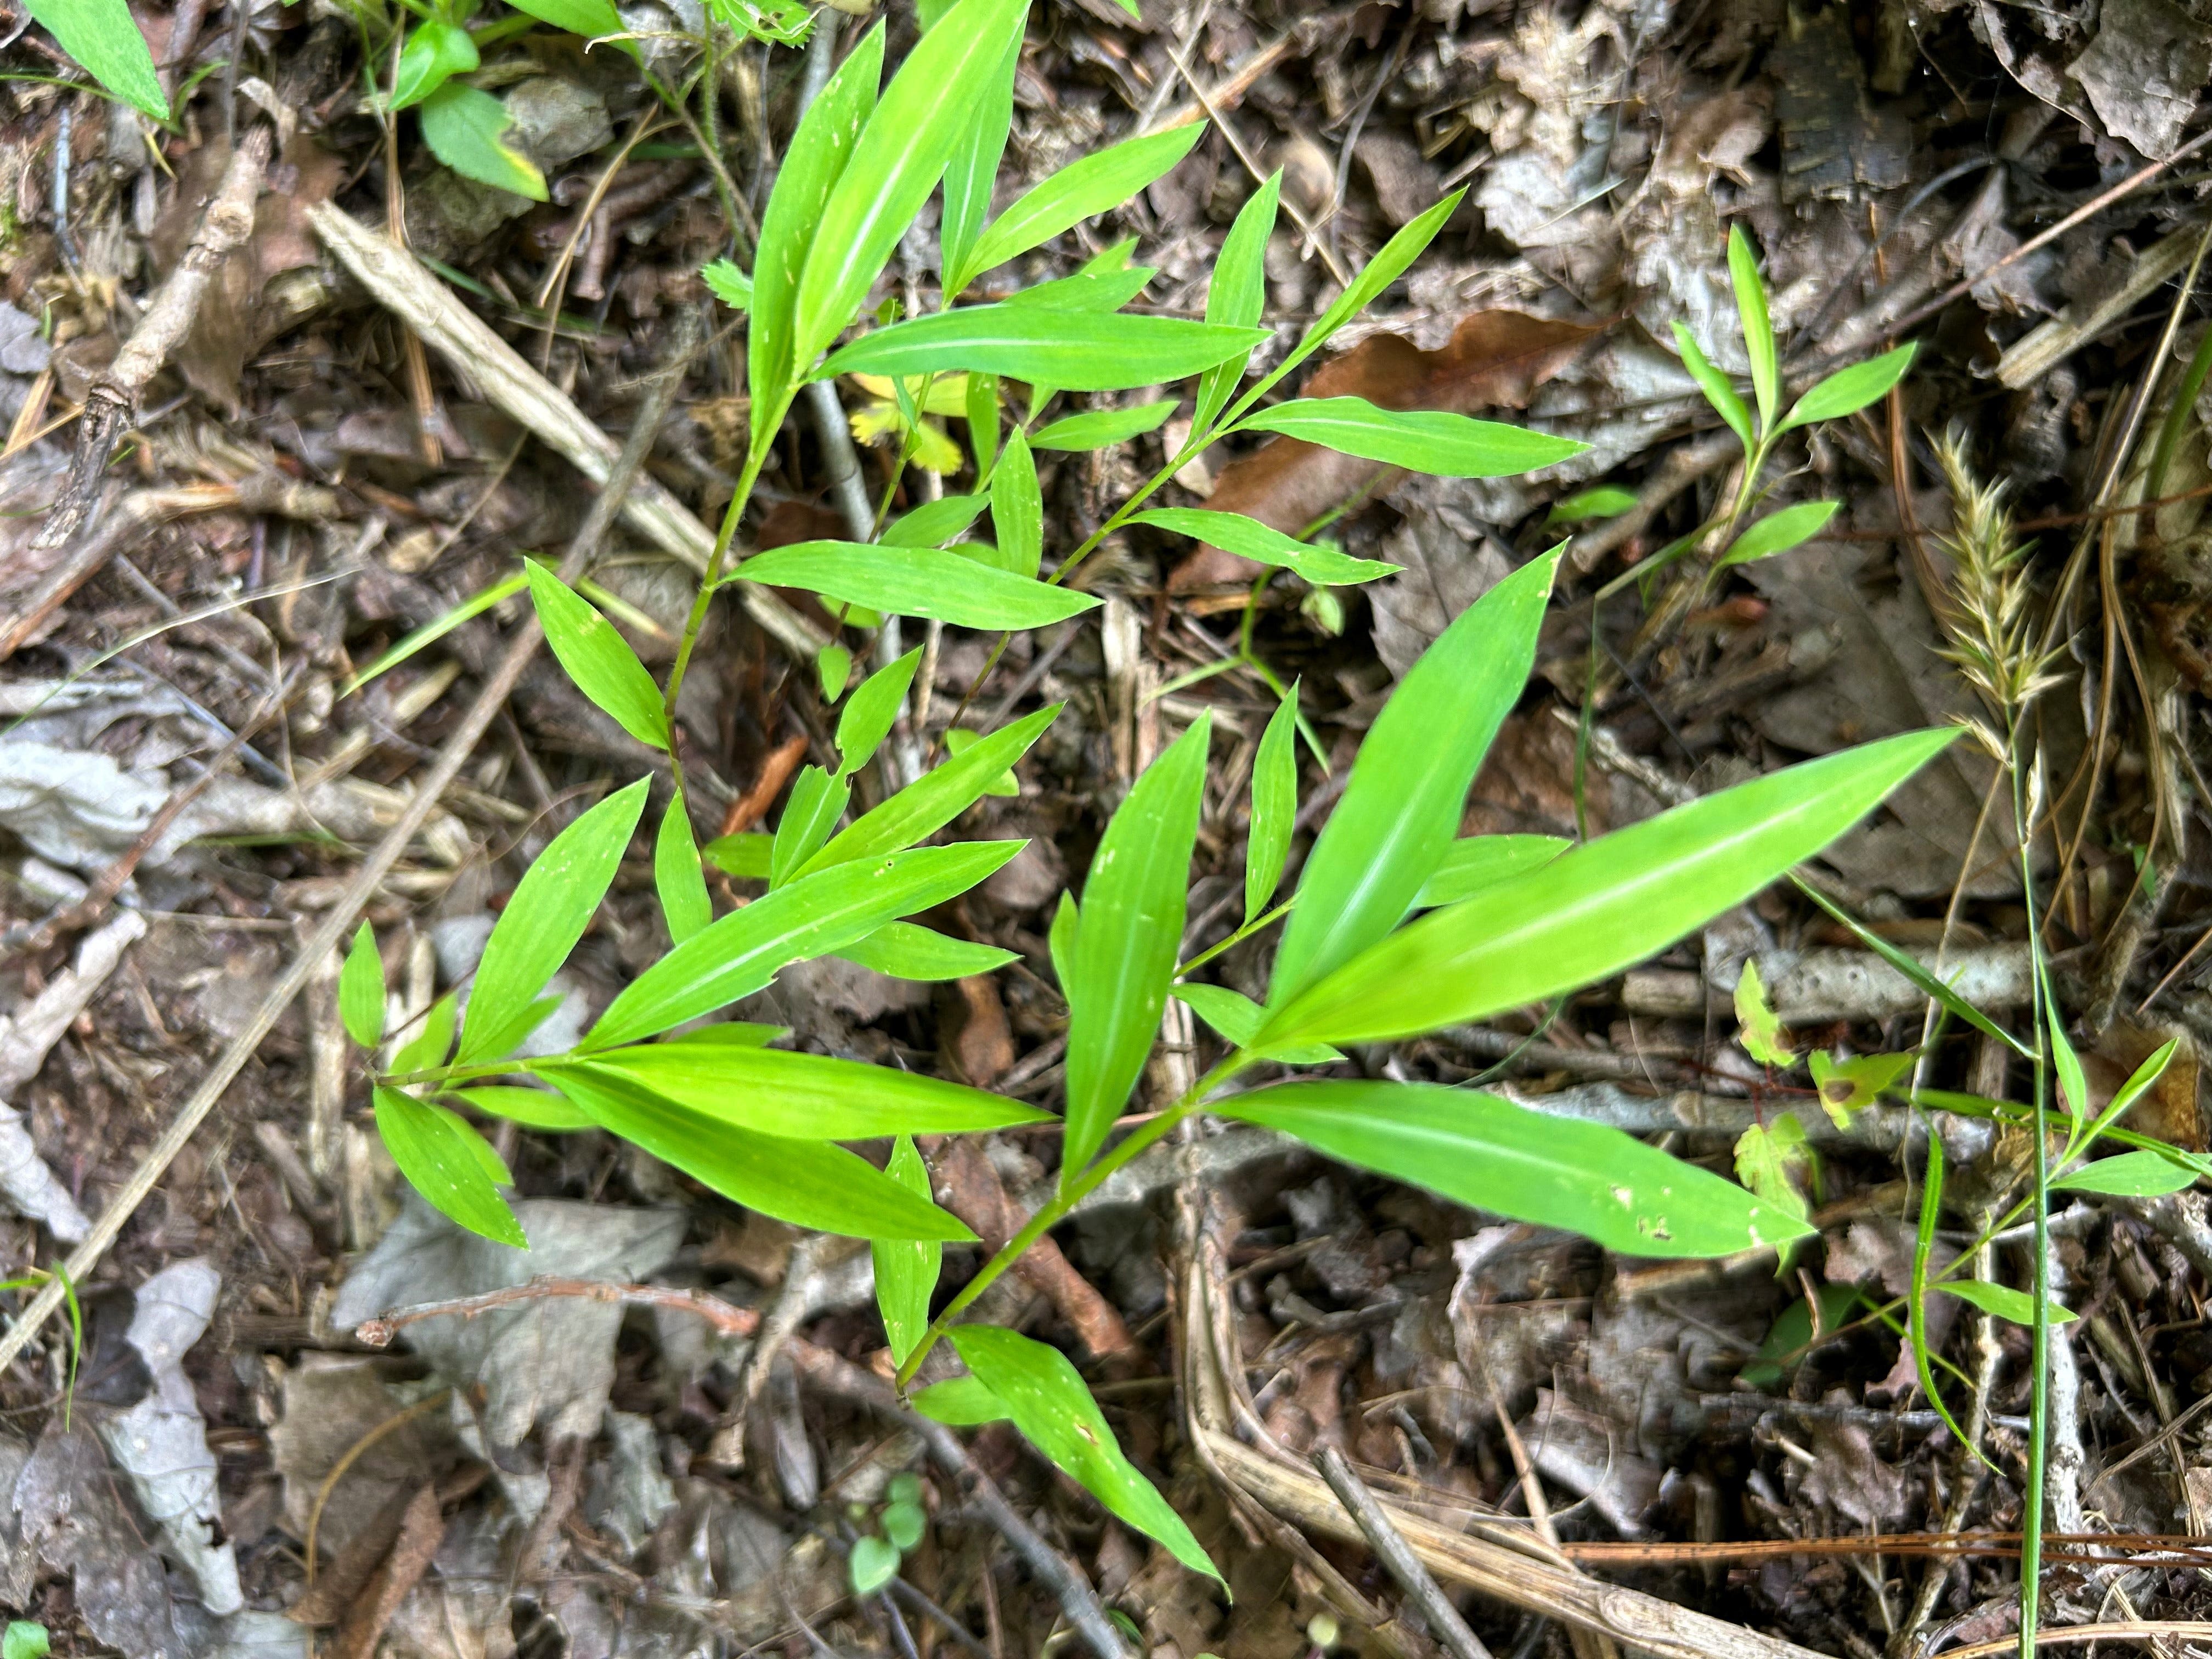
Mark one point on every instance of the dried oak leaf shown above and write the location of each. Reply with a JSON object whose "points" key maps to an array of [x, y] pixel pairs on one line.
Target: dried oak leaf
{"points": [[1494, 359]]}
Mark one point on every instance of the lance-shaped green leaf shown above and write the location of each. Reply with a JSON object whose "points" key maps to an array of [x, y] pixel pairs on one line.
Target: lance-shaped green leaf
{"points": [[452, 1165], [791, 1097], [934, 523], [1132, 917], [906, 1268], [815, 158], [1474, 862], [1274, 805], [1017, 508], [747, 854], [1425, 440], [937, 797], [1401, 806], [1757, 331], [1599, 501], [906, 951], [872, 711], [959, 1402], [360, 990], [902, 152], [1848, 391], [676, 876], [1916, 971], [598, 659], [811, 916], [591, 18], [728, 284], [1051, 1405], [1714, 385], [433, 1039], [1086, 290], [983, 421], [1602, 908], [1324, 566], [2073, 1082], [818, 801], [1778, 532], [1238, 293], [972, 173], [1098, 428], [808, 1183], [1238, 1018], [2001, 1300], [1095, 183], [916, 581], [434, 53], [102, 35], [534, 1109], [467, 129], [552, 905], [1074, 350], [434, 630], [2132, 1175], [1479, 1149]]}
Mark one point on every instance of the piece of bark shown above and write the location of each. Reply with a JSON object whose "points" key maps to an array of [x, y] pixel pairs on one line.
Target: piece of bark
{"points": [[422, 1529]]}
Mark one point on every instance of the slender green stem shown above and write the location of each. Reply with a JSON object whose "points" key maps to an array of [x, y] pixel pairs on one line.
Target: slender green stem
{"points": [[1238, 938], [713, 576], [1072, 1194], [444, 1077], [2039, 1424]]}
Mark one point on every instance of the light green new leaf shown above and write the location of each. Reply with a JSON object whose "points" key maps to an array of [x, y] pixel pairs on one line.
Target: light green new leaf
{"points": [[1600, 909], [1848, 1086], [1778, 532], [102, 35], [1132, 917], [598, 659], [972, 172], [808, 1183], [360, 990], [2001, 1300], [1017, 508], [937, 797], [591, 18], [728, 284], [1425, 440], [746, 854], [1401, 806], [1474, 862], [1714, 385], [1100, 428], [792, 1097], [534, 1109], [872, 711], [904, 951], [1086, 291], [1051, 1405], [906, 1268], [1238, 295], [873, 1562], [434, 630], [1274, 805], [433, 1040], [552, 906], [446, 1162], [1479, 1150], [1850, 389], [466, 130], [818, 801], [1324, 566], [934, 523], [1238, 1018], [1762, 1036], [2132, 1175], [1602, 501], [25, 1638], [434, 53], [917, 126], [1074, 350], [1095, 183], [1757, 331], [819, 151], [676, 876], [1770, 1160], [815, 914], [959, 1402], [916, 581]]}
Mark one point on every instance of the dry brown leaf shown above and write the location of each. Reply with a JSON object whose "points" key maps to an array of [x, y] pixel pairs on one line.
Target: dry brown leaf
{"points": [[420, 1531], [1494, 359], [982, 1048]]}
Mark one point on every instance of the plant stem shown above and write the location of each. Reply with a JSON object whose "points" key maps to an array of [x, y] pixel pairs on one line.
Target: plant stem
{"points": [[1071, 1194], [2038, 1426], [713, 576], [1243, 933]]}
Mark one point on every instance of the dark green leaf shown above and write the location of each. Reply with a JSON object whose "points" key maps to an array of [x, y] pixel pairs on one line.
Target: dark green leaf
{"points": [[1778, 532], [360, 990], [1274, 805], [1238, 295], [677, 876], [1479, 1150], [820, 911], [906, 1269], [466, 130], [1401, 806], [434, 53], [728, 285], [534, 1108], [1101, 427], [972, 173], [746, 854], [552, 906], [1048, 1402], [1600, 907], [1474, 862], [1075, 350], [1238, 1018], [1017, 508], [1714, 385], [1757, 331], [1324, 566], [1425, 440], [916, 581], [1095, 183], [937, 797], [934, 523], [873, 710], [906, 951], [818, 801], [1850, 389], [598, 659], [441, 1157], [2001, 1300], [808, 1183], [1132, 917], [103, 36]]}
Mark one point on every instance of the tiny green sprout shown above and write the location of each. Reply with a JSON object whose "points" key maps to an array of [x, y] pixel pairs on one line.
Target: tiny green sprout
{"points": [[875, 1563], [25, 1638], [835, 665]]}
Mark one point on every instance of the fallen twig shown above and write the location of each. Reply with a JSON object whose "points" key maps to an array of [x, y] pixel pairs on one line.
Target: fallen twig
{"points": [[1391, 1549], [725, 1317]]}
